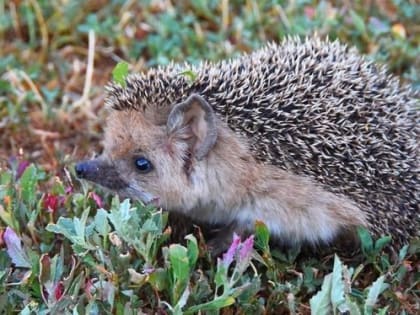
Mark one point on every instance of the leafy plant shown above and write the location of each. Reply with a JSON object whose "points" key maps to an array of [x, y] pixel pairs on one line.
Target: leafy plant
{"points": [[335, 294]]}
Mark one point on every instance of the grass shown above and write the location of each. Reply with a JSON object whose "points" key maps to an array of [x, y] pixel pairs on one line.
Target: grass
{"points": [[61, 252]]}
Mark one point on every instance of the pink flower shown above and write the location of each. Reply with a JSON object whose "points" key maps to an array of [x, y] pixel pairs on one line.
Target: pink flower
{"points": [[241, 251], [89, 288], [58, 290], [97, 199], [21, 168], [309, 11], [51, 202], [69, 190], [230, 254], [246, 248]]}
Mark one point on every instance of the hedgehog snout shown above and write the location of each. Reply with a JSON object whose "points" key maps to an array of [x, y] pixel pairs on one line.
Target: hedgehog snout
{"points": [[84, 169], [100, 172]]}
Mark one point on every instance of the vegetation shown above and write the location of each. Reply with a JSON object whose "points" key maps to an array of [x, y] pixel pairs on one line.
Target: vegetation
{"points": [[67, 247]]}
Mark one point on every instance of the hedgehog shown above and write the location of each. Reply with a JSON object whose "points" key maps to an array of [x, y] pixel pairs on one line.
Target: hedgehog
{"points": [[307, 136]]}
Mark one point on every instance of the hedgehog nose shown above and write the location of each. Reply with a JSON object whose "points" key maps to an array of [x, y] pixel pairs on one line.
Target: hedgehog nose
{"points": [[82, 168]]}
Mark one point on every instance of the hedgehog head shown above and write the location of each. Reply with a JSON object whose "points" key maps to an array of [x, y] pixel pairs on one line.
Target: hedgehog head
{"points": [[166, 164]]}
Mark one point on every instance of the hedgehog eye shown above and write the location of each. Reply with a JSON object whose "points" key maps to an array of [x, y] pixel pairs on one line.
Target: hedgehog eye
{"points": [[143, 164]]}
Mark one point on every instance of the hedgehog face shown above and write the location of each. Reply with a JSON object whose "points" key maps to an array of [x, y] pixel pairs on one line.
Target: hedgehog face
{"points": [[154, 163]]}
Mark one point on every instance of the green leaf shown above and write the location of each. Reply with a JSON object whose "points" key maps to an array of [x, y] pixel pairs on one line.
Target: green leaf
{"points": [[192, 249], [28, 310], [320, 303], [28, 182], [5, 179], [382, 242], [2, 276], [7, 218], [58, 188], [189, 75], [262, 236], [73, 229], [357, 271], [5, 86], [80, 224], [337, 284], [57, 267], [120, 73], [403, 253], [15, 250], [216, 304], [375, 290], [220, 278], [150, 226], [384, 311], [159, 279], [178, 257], [180, 269], [63, 226], [358, 22], [101, 223], [182, 300], [365, 240]]}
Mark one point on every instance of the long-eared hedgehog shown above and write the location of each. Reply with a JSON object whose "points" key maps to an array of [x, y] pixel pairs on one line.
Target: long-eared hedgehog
{"points": [[313, 109]]}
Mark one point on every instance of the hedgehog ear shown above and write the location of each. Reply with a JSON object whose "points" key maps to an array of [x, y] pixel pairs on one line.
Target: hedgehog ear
{"points": [[194, 121]]}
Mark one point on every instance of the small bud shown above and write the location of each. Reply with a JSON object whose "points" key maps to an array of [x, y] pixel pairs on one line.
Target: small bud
{"points": [[136, 277], [115, 239]]}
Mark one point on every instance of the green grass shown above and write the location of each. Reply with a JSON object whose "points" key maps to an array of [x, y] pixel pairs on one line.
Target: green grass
{"points": [[61, 252]]}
